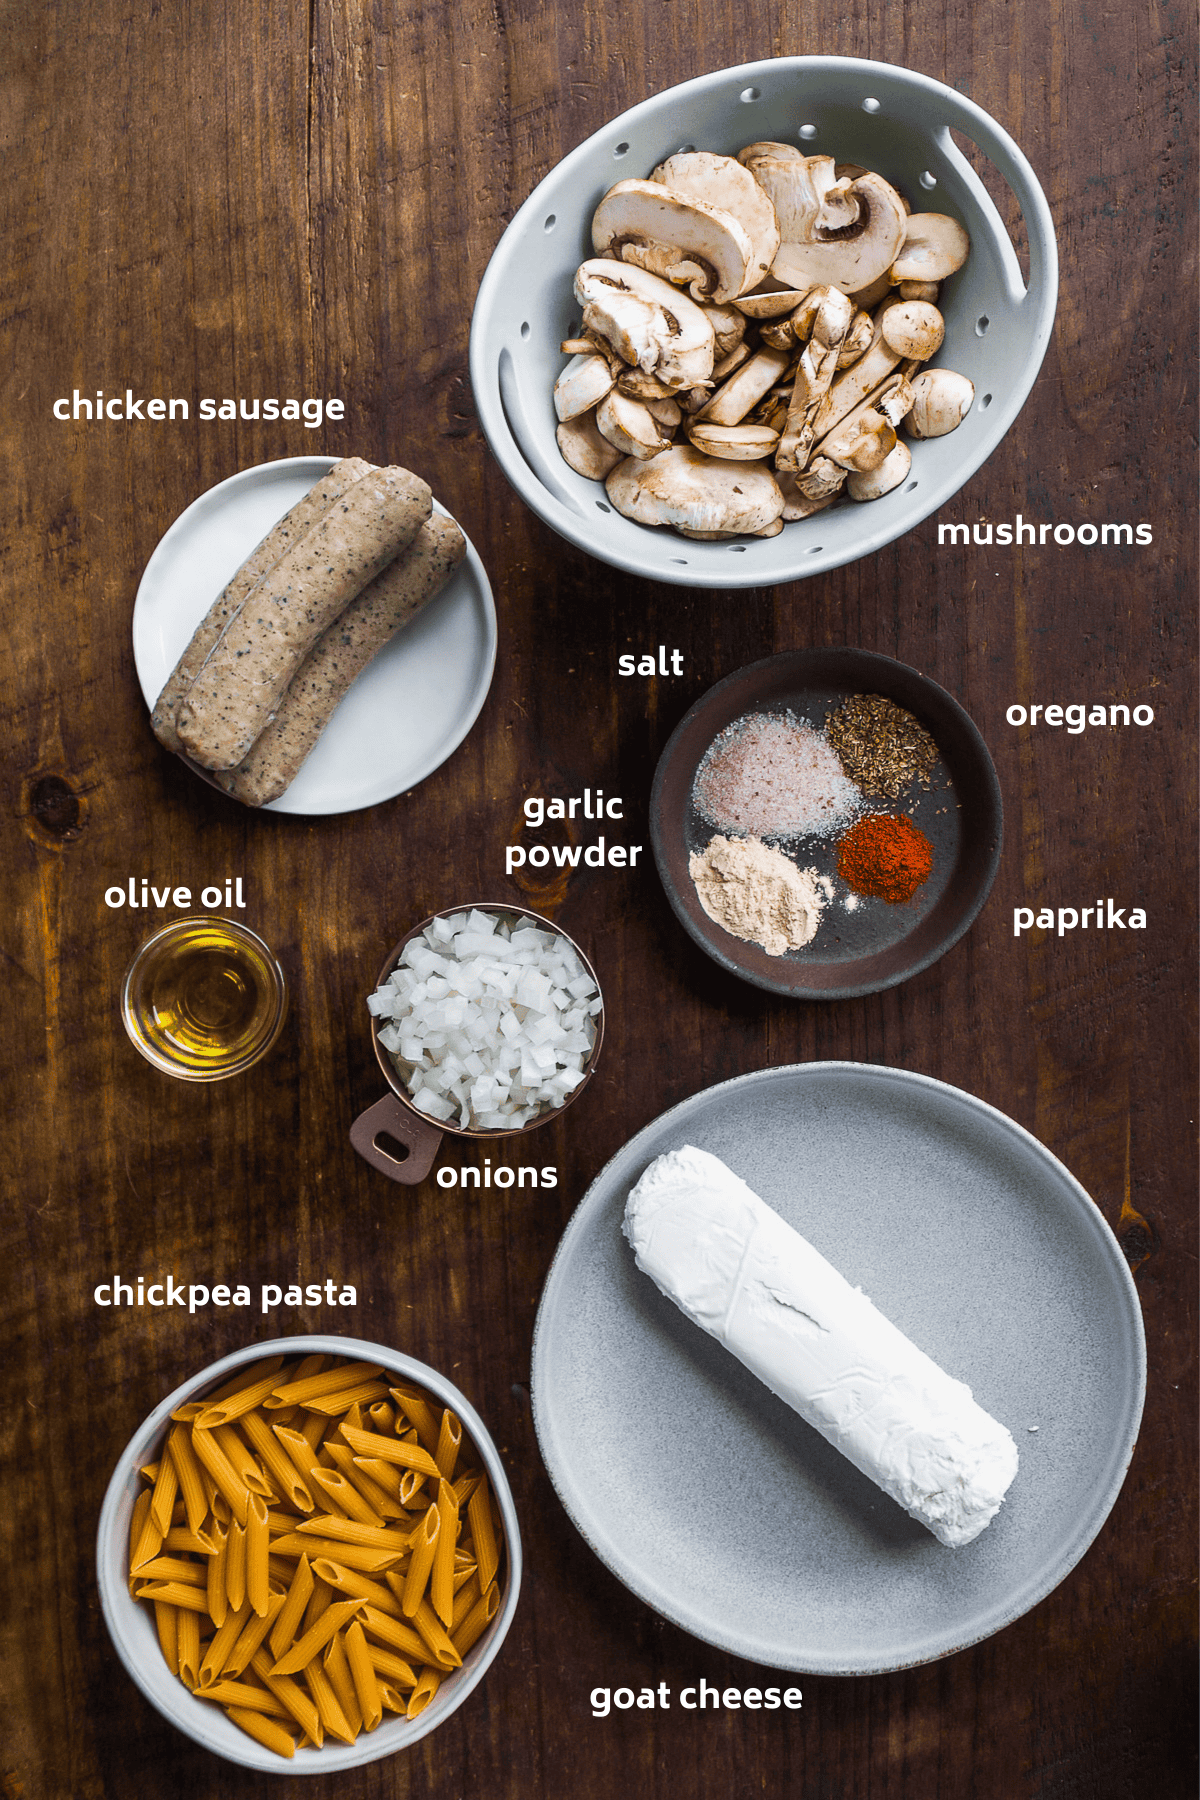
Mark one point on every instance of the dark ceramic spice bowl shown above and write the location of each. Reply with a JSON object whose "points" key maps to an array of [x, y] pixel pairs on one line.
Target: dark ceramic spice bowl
{"points": [[876, 944]]}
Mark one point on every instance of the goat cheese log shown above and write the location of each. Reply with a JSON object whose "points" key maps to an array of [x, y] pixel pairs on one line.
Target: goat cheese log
{"points": [[233, 697], [742, 1274], [229, 601], [340, 654]]}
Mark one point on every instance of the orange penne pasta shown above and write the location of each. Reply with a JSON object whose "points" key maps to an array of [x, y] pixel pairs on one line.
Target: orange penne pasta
{"points": [[391, 1450], [349, 1581], [177, 1593], [448, 1445], [337, 1487], [258, 1590], [428, 1685], [228, 1483], [243, 1400], [424, 1550], [328, 1382], [337, 1668], [333, 1718], [188, 1630], [243, 1693], [298, 1703], [391, 1631], [283, 1632], [307, 1647], [166, 1624], [441, 1578], [387, 1663], [331, 1405], [439, 1648], [235, 1565], [362, 1673], [162, 1501], [267, 1731], [417, 1409], [477, 1620], [218, 1599], [483, 1536], [279, 1465], [224, 1639], [252, 1634], [384, 1503]]}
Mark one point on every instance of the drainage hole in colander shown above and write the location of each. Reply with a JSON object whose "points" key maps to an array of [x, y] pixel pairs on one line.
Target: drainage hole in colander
{"points": [[681, 560], [621, 150], [600, 507], [525, 328], [912, 487], [928, 180], [808, 131], [549, 222], [816, 550], [738, 547], [985, 403], [686, 150], [750, 94], [981, 325], [871, 106]]}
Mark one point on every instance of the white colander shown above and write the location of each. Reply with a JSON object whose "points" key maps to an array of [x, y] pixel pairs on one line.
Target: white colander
{"points": [[891, 120]]}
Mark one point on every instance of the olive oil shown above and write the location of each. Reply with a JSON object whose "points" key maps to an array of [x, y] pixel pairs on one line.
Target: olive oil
{"points": [[204, 998]]}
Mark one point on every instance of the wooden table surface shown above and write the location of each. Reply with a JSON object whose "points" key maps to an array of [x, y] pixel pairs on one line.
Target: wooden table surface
{"points": [[219, 199]]}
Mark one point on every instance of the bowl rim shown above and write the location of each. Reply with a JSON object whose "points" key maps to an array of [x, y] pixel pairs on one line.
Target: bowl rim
{"points": [[119, 1607], [710, 565]]}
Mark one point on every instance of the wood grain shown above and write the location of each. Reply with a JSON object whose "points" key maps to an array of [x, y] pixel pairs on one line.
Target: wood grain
{"points": [[205, 198]]}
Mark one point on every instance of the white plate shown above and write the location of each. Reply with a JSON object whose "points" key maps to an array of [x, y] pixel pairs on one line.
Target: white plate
{"points": [[411, 707], [716, 1503]]}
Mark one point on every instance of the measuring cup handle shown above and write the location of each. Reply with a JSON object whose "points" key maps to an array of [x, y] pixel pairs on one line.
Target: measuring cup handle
{"points": [[421, 1138]]}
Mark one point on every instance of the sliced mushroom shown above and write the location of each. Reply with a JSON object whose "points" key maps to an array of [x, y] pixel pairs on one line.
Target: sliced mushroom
{"points": [[585, 449], [814, 376], [650, 324], [738, 443], [912, 328], [582, 384], [795, 184], [693, 492], [857, 340], [745, 388], [773, 305], [861, 441], [821, 480], [855, 384], [868, 298], [579, 346], [941, 401], [685, 241], [894, 399], [630, 426], [723, 369], [934, 246], [874, 483], [797, 504], [729, 328], [722, 183], [640, 386], [851, 258], [669, 413]]}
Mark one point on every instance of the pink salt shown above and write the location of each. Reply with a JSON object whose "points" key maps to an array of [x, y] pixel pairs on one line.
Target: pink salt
{"points": [[769, 776]]}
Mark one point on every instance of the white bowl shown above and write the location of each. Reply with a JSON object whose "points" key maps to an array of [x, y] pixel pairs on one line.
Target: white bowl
{"points": [[889, 119], [131, 1622]]}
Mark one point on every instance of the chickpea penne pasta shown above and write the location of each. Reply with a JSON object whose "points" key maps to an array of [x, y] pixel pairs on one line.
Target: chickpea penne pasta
{"points": [[316, 1561], [228, 1483], [362, 1673], [258, 1590], [421, 1565], [330, 1405], [477, 1620], [283, 1632], [428, 1685], [265, 1730], [392, 1450], [417, 1409], [315, 1639], [337, 1668], [188, 1635], [333, 1719], [177, 1593], [166, 1624], [278, 1464], [252, 1634], [310, 1387], [483, 1536], [448, 1445], [386, 1662]]}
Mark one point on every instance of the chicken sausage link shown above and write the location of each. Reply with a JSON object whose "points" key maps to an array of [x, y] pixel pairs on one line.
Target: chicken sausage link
{"points": [[229, 601], [233, 697], [340, 654]]}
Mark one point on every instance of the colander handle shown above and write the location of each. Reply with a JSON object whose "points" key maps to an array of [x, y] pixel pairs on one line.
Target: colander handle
{"points": [[1041, 295], [390, 1116]]}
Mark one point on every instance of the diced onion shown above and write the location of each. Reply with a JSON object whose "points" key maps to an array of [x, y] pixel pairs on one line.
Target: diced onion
{"points": [[488, 1020]]}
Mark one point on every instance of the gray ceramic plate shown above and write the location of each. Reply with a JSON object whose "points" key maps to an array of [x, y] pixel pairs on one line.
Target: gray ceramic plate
{"points": [[874, 946], [722, 1509]]}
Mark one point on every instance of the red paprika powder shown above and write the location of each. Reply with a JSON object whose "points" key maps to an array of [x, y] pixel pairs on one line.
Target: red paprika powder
{"points": [[885, 857]]}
